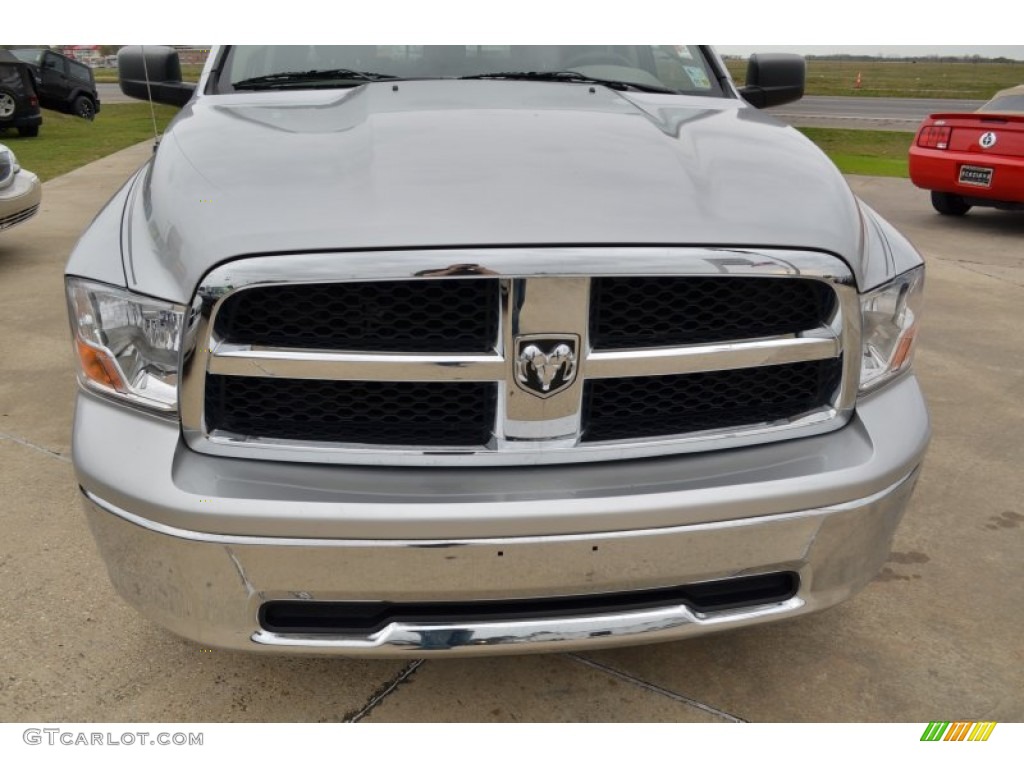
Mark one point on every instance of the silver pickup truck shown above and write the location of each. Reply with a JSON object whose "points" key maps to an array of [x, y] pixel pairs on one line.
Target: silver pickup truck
{"points": [[394, 350]]}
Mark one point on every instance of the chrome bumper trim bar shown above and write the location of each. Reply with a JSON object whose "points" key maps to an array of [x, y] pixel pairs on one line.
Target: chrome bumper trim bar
{"points": [[536, 635]]}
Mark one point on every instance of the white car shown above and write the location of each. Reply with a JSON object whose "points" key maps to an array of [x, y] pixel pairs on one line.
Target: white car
{"points": [[20, 191]]}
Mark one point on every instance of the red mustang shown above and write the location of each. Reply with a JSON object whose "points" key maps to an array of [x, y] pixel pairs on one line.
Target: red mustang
{"points": [[974, 158]]}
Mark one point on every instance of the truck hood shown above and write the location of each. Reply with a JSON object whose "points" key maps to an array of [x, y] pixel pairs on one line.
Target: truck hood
{"points": [[475, 163]]}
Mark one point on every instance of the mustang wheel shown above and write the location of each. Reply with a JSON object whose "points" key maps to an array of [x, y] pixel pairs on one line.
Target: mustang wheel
{"points": [[949, 205]]}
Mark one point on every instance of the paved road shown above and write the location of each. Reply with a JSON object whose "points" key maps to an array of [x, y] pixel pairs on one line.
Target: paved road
{"points": [[110, 93], [935, 636], [867, 112]]}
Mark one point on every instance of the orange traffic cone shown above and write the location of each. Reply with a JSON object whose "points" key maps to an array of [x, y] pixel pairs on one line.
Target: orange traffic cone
{"points": [[856, 83]]}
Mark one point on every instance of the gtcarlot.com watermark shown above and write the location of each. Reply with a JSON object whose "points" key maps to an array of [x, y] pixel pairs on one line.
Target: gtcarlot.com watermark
{"points": [[59, 737]]}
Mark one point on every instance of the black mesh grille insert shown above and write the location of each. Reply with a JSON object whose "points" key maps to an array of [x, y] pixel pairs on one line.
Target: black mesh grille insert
{"points": [[452, 315], [376, 413], [619, 409], [665, 311]]}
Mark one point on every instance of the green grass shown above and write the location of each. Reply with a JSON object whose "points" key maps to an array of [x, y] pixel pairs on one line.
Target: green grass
{"points": [[913, 79], [869, 153], [65, 143], [189, 73]]}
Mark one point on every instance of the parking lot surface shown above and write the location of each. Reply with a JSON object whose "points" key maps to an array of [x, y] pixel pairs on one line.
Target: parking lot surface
{"points": [[937, 636]]}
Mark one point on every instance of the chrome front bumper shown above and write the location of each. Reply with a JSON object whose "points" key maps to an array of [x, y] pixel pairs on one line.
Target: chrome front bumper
{"points": [[199, 544], [210, 588]]}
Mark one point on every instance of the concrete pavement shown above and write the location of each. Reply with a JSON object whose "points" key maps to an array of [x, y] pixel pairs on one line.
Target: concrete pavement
{"points": [[936, 636]]}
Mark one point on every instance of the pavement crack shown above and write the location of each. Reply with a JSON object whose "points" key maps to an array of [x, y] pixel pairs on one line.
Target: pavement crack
{"points": [[33, 446], [970, 266], [383, 692], [657, 689]]}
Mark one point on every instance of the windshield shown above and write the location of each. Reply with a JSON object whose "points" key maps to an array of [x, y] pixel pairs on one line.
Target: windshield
{"points": [[674, 68], [30, 55], [1009, 103]]}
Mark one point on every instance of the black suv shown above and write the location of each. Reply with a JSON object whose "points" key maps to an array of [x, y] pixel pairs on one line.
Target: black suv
{"points": [[19, 105], [64, 85]]}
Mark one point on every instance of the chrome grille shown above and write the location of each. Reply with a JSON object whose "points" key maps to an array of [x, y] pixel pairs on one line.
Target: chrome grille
{"points": [[525, 364]]}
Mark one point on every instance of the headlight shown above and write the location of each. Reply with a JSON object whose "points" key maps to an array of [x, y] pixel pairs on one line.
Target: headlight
{"points": [[8, 166], [890, 316], [127, 345]]}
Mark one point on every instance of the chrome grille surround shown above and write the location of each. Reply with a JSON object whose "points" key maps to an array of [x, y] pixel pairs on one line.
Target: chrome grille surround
{"points": [[544, 291]]}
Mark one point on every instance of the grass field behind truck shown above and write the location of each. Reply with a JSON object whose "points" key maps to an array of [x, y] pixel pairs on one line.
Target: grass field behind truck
{"points": [[866, 153], [65, 142], [189, 73], [923, 78]]}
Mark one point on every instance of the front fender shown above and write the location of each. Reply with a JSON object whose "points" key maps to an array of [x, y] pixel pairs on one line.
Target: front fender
{"points": [[886, 252], [100, 252]]}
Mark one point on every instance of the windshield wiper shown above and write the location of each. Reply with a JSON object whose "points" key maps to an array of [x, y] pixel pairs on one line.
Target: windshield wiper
{"points": [[309, 76], [569, 76]]}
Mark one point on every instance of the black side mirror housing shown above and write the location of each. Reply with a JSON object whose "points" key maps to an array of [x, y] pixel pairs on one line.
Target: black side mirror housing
{"points": [[774, 79], [153, 69]]}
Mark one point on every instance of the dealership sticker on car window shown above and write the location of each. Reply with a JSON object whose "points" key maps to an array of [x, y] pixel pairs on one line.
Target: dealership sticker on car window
{"points": [[975, 176], [698, 77]]}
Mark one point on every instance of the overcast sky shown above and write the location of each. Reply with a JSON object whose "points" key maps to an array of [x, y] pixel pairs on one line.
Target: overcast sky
{"points": [[554, 22], [991, 51]]}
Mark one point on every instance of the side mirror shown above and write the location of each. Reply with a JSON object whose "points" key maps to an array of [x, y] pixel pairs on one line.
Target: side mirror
{"points": [[774, 78], [153, 69]]}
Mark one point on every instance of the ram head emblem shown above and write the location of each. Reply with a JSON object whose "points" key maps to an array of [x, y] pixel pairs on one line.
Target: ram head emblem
{"points": [[546, 365]]}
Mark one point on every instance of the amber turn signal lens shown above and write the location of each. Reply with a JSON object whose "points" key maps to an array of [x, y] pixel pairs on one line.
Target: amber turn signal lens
{"points": [[903, 350], [98, 367]]}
